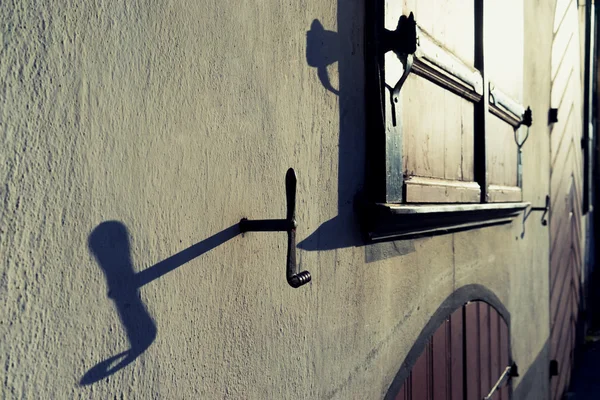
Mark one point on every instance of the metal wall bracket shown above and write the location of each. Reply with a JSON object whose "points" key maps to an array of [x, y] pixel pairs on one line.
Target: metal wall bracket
{"points": [[544, 209], [404, 39], [294, 278], [527, 212], [527, 120]]}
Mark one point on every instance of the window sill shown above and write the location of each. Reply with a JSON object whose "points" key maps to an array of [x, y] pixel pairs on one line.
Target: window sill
{"points": [[382, 222]]}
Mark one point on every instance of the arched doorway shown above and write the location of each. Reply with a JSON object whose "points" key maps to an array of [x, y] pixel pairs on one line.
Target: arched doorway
{"points": [[463, 353]]}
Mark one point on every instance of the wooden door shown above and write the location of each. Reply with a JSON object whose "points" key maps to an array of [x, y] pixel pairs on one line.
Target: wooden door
{"points": [[463, 359], [566, 194]]}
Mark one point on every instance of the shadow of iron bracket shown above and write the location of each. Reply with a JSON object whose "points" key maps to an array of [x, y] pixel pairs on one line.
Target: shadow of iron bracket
{"points": [[544, 220], [294, 278], [403, 42]]}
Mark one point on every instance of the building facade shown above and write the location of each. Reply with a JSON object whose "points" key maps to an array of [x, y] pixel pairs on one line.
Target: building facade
{"points": [[137, 135]]}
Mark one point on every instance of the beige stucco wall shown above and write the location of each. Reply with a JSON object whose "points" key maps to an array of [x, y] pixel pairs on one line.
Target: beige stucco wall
{"points": [[179, 118]]}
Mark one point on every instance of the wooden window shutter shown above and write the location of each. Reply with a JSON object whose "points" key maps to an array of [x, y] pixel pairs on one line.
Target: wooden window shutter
{"points": [[437, 107]]}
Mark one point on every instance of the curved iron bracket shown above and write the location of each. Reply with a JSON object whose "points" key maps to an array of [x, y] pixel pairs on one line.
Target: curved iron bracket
{"points": [[407, 61], [527, 120], [294, 277], [545, 209]]}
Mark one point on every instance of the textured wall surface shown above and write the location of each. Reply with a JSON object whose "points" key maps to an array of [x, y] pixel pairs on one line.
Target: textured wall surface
{"points": [[135, 135]]}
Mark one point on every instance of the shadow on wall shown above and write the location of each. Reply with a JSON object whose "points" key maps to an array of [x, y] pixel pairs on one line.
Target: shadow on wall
{"points": [[109, 243], [324, 48]]}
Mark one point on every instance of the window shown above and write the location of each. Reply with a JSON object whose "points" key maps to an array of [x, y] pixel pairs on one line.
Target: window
{"points": [[445, 116]]}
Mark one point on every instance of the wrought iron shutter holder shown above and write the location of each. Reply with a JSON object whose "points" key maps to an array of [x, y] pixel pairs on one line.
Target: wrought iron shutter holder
{"points": [[294, 277], [544, 220], [544, 209]]}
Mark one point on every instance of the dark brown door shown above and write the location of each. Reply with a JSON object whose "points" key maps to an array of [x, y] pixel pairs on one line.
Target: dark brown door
{"points": [[464, 358], [566, 194]]}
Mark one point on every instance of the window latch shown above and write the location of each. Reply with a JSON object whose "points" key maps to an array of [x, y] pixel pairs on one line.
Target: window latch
{"points": [[294, 278]]}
